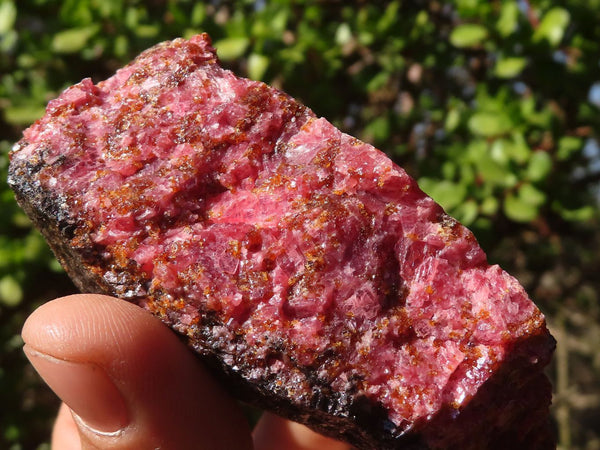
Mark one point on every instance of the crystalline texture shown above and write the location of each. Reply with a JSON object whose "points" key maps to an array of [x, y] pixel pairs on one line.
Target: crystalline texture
{"points": [[302, 263]]}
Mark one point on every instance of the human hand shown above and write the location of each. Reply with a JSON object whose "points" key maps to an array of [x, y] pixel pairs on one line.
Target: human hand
{"points": [[127, 382]]}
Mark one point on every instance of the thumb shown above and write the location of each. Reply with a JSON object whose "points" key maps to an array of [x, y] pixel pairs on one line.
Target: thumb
{"points": [[127, 379]]}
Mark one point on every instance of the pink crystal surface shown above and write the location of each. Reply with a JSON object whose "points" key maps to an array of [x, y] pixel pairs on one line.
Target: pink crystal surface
{"points": [[306, 247]]}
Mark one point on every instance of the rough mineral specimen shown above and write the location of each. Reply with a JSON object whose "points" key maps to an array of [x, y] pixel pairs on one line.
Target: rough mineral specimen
{"points": [[306, 267]]}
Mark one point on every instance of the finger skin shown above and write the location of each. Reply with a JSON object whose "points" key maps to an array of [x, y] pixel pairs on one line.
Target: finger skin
{"points": [[173, 402], [65, 435], [275, 433]]}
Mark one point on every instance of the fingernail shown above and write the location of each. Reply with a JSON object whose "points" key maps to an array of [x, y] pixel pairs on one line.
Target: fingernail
{"points": [[85, 388]]}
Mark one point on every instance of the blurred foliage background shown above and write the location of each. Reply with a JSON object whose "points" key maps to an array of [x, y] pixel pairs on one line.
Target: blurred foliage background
{"points": [[492, 105]]}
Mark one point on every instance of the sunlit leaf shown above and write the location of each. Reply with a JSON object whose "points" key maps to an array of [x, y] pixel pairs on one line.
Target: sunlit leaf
{"points": [[581, 214], [378, 129], [8, 15], [198, 14], [23, 115], [11, 293], [489, 124], [466, 212], [552, 26], [366, 38], [524, 207], [539, 166], [509, 67], [531, 195], [343, 34], [499, 151], [509, 16], [74, 39], [468, 35], [257, 66], [278, 22], [389, 17], [518, 210], [8, 40], [452, 120], [517, 148], [422, 18], [231, 48], [147, 31], [121, 45], [531, 113], [567, 146], [493, 172], [489, 206], [445, 192]]}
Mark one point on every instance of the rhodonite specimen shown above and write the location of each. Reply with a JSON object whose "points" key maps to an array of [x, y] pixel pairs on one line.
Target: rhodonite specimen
{"points": [[306, 268]]}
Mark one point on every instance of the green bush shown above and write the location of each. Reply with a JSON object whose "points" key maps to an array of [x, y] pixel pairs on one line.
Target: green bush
{"points": [[492, 105]]}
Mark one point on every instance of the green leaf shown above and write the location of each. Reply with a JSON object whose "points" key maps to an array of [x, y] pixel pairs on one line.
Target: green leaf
{"points": [[422, 19], [73, 39], [257, 66], [499, 151], [343, 34], [452, 120], [11, 293], [366, 38], [509, 67], [8, 41], [378, 129], [467, 6], [518, 210], [262, 28], [567, 146], [34, 247], [146, 30], [539, 166], [489, 124], [231, 48], [509, 16], [389, 17], [493, 172], [445, 192], [21, 220], [466, 212], [77, 12], [468, 35], [23, 115], [529, 110], [12, 433], [531, 195], [378, 81], [278, 23], [489, 206], [582, 214], [552, 26], [524, 207], [121, 45], [517, 148], [190, 32], [8, 15], [198, 14], [449, 169]]}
